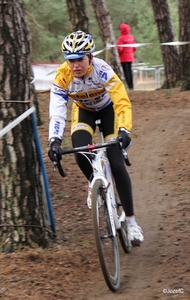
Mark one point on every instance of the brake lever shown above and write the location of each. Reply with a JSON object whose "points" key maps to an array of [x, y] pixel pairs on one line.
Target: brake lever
{"points": [[54, 166], [126, 158], [125, 155], [57, 165]]}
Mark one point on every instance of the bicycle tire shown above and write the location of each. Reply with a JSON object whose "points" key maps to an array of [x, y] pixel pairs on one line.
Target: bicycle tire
{"points": [[123, 236], [109, 258]]}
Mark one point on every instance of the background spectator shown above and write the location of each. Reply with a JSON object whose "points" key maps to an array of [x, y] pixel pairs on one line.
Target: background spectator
{"points": [[126, 54]]}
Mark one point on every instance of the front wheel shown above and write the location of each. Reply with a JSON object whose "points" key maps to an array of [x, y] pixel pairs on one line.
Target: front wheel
{"points": [[123, 234], [106, 243]]}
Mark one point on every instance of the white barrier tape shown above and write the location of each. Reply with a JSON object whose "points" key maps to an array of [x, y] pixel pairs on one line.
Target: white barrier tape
{"points": [[97, 52], [108, 45], [137, 45], [129, 45], [16, 121], [39, 78], [176, 43]]}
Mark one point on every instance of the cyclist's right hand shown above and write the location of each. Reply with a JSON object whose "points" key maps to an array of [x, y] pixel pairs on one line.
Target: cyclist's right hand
{"points": [[123, 136], [54, 152]]}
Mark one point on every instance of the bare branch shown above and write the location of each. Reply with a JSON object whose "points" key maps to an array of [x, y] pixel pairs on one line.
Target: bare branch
{"points": [[33, 19]]}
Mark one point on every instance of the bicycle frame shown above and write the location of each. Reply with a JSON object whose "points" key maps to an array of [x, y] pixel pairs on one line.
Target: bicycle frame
{"points": [[102, 171], [108, 175]]}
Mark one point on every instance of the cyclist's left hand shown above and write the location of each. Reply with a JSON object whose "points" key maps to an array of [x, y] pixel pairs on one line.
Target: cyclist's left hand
{"points": [[125, 139]]}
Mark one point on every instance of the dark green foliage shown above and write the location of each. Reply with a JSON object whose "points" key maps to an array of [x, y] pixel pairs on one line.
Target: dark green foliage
{"points": [[50, 23]]}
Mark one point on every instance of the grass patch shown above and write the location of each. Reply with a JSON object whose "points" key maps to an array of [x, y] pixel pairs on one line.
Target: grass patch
{"points": [[169, 93], [85, 243], [61, 196]]}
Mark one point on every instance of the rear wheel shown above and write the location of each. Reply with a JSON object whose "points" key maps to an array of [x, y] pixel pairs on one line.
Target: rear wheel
{"points": [[106, 243]]}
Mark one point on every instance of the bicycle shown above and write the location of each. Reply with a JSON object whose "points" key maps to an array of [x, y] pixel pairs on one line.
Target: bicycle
{"points": [[108, 217]]}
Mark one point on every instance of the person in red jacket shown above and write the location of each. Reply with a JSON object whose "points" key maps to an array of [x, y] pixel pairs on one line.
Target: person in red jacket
{"points": [[126, 54]]}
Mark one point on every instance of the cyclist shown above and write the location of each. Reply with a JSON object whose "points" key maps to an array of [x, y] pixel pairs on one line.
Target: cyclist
{"points": [[97, 93]]}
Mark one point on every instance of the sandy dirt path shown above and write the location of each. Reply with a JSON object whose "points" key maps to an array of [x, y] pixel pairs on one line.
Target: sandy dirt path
{"points": [[144, 274], [69, 269]]}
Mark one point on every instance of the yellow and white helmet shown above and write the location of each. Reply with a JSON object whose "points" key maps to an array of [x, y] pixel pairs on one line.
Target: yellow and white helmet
{"points": [[77, 44]]}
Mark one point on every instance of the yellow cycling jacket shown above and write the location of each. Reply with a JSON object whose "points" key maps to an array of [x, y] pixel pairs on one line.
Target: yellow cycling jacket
{"points": [[96, 90]]}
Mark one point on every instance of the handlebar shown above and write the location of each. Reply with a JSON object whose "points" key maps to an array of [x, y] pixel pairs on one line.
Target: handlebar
{"points": [[88, 148]]}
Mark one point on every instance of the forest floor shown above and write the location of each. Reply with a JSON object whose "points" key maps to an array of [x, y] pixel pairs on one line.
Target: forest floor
{"points": [[160, 174]]}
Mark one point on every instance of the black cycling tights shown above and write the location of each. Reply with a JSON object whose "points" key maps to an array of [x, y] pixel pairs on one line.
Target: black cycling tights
{"points": [[120, 174]]}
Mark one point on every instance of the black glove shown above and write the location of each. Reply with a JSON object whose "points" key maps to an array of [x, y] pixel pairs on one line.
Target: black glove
{"points": [[54, 151], [124, 138]]}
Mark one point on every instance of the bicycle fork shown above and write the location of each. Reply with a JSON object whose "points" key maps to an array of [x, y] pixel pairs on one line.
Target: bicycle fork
{"points": [[115, 220], [113, 208]]}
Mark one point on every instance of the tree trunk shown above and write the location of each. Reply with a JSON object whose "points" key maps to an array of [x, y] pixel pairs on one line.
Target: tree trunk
{"points": [[166, 34], [77, 15], [184, 33], [22, 213], [107, 34]]}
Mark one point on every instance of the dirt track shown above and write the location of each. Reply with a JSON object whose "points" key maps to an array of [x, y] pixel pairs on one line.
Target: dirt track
{"points": [[160, 174]]}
